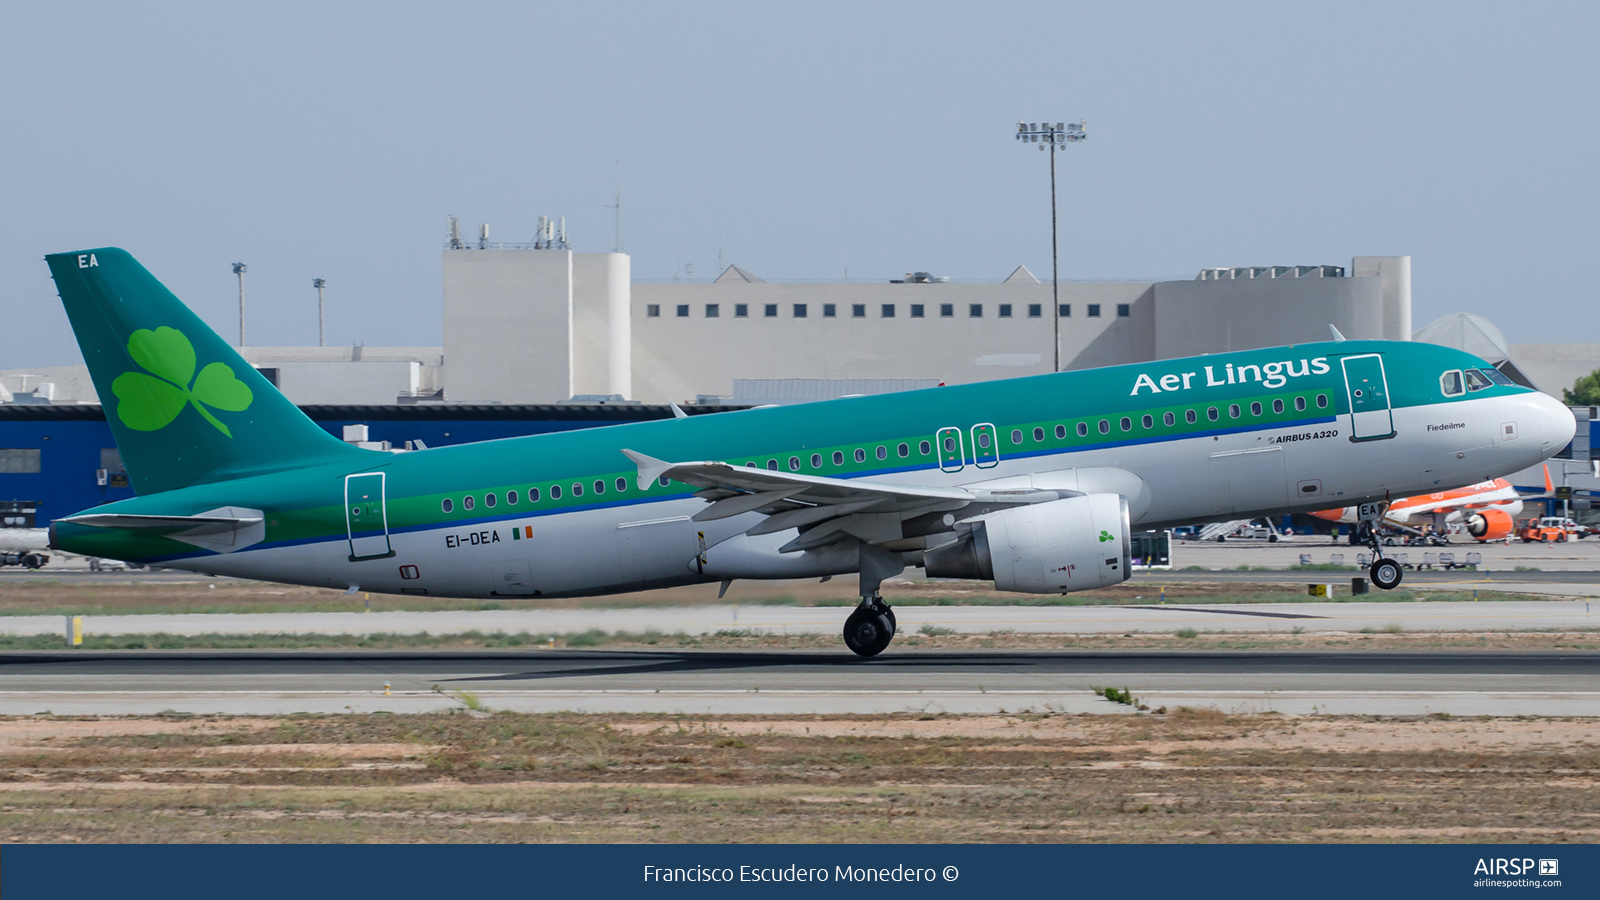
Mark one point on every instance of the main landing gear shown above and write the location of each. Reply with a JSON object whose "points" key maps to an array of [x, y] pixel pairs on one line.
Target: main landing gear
{"points": [[1385, 573], [870, 628]]}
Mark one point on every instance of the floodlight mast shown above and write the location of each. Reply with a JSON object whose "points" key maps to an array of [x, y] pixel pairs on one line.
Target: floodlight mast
{"points": [[239, 269], [319, 284], [1043, 134]]}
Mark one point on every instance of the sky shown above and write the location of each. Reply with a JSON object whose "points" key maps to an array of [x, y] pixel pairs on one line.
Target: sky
{"points": [[797, 140]]}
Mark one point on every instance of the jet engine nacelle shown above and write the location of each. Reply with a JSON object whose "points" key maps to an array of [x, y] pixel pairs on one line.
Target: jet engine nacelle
{"points": [[1075, 544], [1490, 524]]}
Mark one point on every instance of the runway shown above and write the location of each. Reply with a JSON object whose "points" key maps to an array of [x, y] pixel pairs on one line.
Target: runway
{"points": [[1569, 615], [793, 683]]}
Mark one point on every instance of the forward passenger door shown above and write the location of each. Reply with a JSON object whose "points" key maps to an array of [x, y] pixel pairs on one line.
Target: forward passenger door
{"points": [[1368, 392]]}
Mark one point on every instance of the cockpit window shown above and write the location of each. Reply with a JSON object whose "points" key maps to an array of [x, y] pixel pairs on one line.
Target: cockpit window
{"points": [[1498, 377], [1476, 380], [1450, 383]]}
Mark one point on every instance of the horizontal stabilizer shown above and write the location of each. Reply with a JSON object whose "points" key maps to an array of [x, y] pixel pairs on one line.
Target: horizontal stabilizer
{"points": [[220, 530]]}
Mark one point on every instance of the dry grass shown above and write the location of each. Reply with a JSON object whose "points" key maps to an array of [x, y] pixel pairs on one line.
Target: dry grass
{"points": [[908, 642], [1186, 776], [44, 596]]}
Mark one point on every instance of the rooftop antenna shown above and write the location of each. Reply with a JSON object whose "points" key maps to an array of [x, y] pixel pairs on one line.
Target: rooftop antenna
{"points": [[483, 236], [616, 206], [455, 233], [563, 232], [539, 233]]}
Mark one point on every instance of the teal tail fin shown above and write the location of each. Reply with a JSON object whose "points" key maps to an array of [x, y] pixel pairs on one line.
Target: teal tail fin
{"points": [[184, 407]]}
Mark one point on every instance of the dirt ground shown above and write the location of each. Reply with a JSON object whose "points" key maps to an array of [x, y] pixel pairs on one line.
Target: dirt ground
{"points": [[471, 776]]}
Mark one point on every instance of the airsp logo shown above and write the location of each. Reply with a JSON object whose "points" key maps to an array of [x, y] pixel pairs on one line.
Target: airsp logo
{"points": [[151, 402], [1501, 866]]}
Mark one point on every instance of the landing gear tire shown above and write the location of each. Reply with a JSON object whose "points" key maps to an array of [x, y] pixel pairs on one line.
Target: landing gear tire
{"points": [[869, 630], [1386, 574]]}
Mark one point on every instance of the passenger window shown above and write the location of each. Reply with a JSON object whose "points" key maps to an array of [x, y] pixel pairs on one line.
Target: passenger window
{"points": [[512, 497], [1190, 416], [1038, 435], [924, 448], [861, 455], [772, 465], [533, 495], [466, 502], [599, 486], [1322, 401], [949, 447], [1016, 437], [1233, 410], [1169, 419], [1148, 421], [555, 492], [794, 463], [1083, 430], [1127, 424], [1277, 406], [490, 500], [622, 484], [1477, 381], [904, 451], [1105, 427], [577, 489], [883, 452], [983, 440], [1255, 409], [1450, 383], [1211, 413], [446, 504], [838, 458], [1300, 404], [816, 460]]}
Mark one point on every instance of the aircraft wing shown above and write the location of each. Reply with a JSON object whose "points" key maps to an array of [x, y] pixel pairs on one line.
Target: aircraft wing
{"points": [[824, 509]]}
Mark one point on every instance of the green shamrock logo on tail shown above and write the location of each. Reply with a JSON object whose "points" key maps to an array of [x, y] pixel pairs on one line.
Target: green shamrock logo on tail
{"points": [[1106, 536], [151, 402]]}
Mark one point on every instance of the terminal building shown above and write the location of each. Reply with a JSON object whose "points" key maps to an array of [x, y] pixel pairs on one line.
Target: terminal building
{"points": [[538, 337]]}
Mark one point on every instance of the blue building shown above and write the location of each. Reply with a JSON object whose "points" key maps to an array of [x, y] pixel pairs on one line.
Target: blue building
{"points": [[61, 459]]}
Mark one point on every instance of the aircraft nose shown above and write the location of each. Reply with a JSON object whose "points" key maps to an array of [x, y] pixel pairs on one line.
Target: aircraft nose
{"points": [[1556, 424]]}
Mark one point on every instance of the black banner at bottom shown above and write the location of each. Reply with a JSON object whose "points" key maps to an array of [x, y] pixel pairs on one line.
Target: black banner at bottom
{"points": [[312, 872]]}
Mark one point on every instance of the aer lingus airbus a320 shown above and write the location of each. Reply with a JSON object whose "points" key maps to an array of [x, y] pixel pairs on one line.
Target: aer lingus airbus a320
{"points": [[1033, 483]]}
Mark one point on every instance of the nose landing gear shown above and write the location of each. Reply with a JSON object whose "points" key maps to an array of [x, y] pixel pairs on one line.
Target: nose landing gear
{"points": [[1385, 573]]}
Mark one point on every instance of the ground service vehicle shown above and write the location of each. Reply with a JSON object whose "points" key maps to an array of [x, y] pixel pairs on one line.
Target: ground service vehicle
{"points": [[1549, 529]]}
